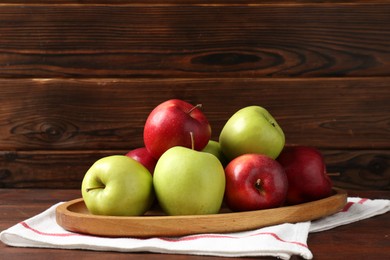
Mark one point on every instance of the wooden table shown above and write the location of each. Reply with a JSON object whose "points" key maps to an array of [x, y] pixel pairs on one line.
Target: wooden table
{"points": [[367, 238]]}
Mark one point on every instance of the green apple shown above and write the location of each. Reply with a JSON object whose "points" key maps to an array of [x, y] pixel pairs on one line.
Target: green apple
{"points": [[251, 129], [214, 148], [117, 185], [189, 182]]}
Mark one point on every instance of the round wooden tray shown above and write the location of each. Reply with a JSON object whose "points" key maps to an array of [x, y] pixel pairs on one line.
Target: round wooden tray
{"points": [[74, 216]]}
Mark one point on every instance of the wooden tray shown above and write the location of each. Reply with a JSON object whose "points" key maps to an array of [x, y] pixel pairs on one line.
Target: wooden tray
{"points": [[74, 216]]}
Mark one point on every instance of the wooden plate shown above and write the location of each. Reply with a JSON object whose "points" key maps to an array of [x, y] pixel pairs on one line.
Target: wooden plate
{"points": [[74, 216]]}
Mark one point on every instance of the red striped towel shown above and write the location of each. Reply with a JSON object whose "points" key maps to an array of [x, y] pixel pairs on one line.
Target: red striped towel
{"points": [[280, 241]]}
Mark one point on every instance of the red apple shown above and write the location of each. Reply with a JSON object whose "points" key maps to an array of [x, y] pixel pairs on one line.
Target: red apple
{"points": [[254, 182], [171, 123], [143, 156], [306, 173]]}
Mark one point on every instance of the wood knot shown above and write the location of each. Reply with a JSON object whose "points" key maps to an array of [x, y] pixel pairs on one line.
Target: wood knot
{"points": [[49, 131], [378, 166]]}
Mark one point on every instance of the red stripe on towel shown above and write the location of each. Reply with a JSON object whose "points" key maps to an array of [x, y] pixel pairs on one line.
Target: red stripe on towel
{"points": [[181, 239], [362, 201], [349, 204], [196, 237], [24, 224]]}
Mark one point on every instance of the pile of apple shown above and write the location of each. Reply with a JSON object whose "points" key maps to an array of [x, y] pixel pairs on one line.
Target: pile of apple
{"points": [[186, 173]]}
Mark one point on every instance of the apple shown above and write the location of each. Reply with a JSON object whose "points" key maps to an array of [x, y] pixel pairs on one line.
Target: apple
{"points": [[189, 182], [306, 173], [117, 185], [143, 156], [251, 129], [214, 148], [255, 182], [170, 123]]}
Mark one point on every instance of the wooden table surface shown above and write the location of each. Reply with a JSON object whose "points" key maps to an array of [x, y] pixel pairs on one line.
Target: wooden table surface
{"points": [[366, 238]]}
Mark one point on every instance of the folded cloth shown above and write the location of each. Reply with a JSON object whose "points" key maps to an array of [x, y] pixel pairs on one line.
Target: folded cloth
{"points": [[280, 241]]}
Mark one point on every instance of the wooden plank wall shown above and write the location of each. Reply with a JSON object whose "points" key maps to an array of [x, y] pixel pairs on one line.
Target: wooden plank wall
{"points": [[78, 79]]}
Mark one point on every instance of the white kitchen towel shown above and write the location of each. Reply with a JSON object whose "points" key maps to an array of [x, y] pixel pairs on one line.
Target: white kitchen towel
{"points": [[280, 241], [356, 209]]}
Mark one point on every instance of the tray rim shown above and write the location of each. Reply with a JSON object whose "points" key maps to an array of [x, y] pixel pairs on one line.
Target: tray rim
{"points": [[69, 219]]}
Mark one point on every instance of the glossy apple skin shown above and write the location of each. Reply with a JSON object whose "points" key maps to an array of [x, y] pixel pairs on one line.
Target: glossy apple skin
{"points": [[170, 124], [117, 185], [306, 173], [189, 182], [143, 156], [251, 129], [244, 193]]}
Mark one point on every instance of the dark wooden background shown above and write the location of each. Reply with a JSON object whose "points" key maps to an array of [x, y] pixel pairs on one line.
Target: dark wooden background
{"points": [[79, 78]]}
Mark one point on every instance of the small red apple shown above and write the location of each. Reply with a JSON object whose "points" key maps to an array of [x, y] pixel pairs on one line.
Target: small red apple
{"points": [[171, 123], [254, 182], [306, 173], [143, 156]]}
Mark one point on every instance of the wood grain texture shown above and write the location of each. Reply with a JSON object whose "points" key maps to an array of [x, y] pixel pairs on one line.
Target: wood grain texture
{"points": [[358, 169], [178, 39], [185, 2], [101, 114], [78, 78], [47, 169], [52, 130]]}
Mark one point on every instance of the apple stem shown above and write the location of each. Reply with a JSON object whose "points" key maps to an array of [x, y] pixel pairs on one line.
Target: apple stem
{"points": [[195, 107], [94, 188], [333, 174], [192, 141], [258, 184]]}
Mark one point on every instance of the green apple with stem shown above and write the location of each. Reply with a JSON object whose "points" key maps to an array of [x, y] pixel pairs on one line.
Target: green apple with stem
{"points": [[117, 185], [251, 129], [189, 182]]}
